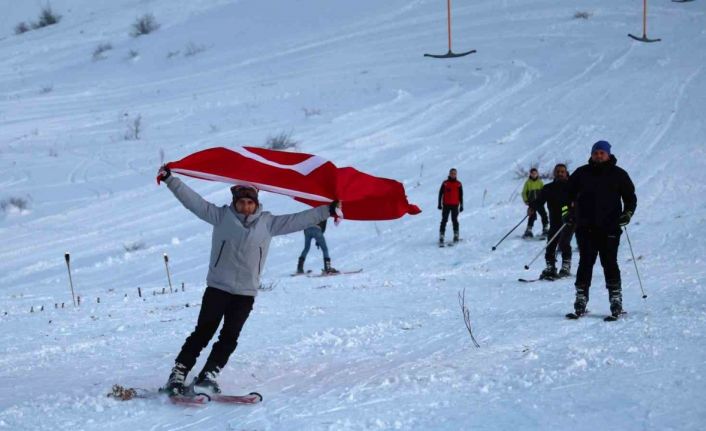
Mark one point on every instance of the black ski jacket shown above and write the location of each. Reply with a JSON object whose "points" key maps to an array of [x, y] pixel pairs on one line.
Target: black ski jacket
{"points": [[596, 191], [555, 195]]}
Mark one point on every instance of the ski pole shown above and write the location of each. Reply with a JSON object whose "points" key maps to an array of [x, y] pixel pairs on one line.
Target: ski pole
{"points": [[545, 247], [67, 256], [166, 265], [511, 231], [625, 228]]}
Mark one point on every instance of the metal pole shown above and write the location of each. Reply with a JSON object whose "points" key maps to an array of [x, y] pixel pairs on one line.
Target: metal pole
{"points": [[166, 265], [545, 247], [67, 256], [448, 14], [644, 19], [511, 231], [625, 228]]}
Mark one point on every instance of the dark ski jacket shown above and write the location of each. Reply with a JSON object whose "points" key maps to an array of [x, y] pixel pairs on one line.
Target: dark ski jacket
{"points": [[600, 192], [556, 196], [451, 192]]}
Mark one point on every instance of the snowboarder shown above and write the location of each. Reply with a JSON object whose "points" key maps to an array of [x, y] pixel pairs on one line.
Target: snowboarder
{"points": [[450, 202], [530, 192], [556, 196], [241, 237], [603, 201], [316, 233]]}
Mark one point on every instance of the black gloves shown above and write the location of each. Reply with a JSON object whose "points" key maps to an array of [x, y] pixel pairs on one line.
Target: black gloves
{"points": [[332, 208], [460, 209], [567, 216], [163, 173], [624, 218], [439, 206]]}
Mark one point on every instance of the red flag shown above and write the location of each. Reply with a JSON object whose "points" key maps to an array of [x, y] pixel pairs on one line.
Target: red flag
{"points": [[305, 177]]}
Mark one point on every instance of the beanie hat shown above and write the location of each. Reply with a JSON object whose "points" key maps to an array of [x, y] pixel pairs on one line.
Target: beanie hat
{"points": [[240, 192], [601, 145]]}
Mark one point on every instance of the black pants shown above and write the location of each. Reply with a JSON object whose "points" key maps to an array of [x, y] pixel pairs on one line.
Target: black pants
{"points": [[593, 243], [453, 210], [217, 305], [563, 242], [542, 213]]}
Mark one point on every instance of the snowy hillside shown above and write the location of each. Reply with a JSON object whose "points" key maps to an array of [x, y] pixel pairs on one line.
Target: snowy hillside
{"points": [[83, 131]]}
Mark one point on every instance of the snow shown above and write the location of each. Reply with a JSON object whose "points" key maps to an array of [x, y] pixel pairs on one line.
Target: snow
{"points": [[386, 348]]}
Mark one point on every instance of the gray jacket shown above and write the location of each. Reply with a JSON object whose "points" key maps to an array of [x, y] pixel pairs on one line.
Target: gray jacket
{"points": [[239, 244]]}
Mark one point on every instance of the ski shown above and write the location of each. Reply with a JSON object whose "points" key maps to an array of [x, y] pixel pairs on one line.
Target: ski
{"points": [[297, 274], [251, 398], [612, 318], [574, 316], [331, 274], [524, 280], [188, 398]]}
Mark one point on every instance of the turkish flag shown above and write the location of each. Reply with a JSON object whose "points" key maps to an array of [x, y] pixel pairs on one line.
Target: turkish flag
{"points": [[305, 177]]}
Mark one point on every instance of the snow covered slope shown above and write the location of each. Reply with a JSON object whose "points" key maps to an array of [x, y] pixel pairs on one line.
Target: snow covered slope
{"points": [[387, 348]]}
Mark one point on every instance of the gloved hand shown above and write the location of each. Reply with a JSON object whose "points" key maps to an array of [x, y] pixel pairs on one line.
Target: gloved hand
{"points": [[318, 247], [530, 211], [460, 209], [333, 206], [439, 206], [567, 216], [163, 173], [624, 218]]}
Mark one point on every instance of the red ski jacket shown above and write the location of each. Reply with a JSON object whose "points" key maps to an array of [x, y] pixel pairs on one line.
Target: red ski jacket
{"points": [[451, 193]]}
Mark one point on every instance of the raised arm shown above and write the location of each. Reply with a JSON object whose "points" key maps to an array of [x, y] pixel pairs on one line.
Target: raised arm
{"points": [[288, 223], [203, 209]]}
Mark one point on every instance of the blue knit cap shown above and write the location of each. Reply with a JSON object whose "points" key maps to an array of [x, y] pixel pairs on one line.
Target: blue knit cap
{"points": [[601, 145]]}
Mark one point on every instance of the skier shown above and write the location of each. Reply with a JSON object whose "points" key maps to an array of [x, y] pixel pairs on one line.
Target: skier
{"points": [[450, 202], [316, 233], [596, 191], [241, 237], [530, 192], [556, 196]]}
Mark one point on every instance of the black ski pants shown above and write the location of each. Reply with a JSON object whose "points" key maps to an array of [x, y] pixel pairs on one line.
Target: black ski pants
{"points": [[595, 242], [216, 305], [445, 211], [542, 213], [563, 242]]}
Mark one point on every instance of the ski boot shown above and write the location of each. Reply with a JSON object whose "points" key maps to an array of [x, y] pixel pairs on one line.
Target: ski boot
{"points": [[300, 266], [545, 231], [616, 299], [528, 233], [175, 383], [565, 270], [581, 300], [328, 269], [456, 238], [549, 273], [206, 381], [441, 240]]}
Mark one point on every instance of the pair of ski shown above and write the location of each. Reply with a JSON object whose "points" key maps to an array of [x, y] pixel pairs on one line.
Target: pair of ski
{"points": [[199, 398], [309, 274], [610, 318], [524, 280]]}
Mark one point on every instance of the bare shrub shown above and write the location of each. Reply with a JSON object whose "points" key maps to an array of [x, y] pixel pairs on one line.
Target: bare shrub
{"points": [[133, 246], [46, 89], [22, 27], [20, 204], [47, 17], [282, 141], [171, 54], [132, 54], [582, 15], [193, 49], [134, 129], [466, 316], [311, 112], [145, 24], [100, 49]]}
